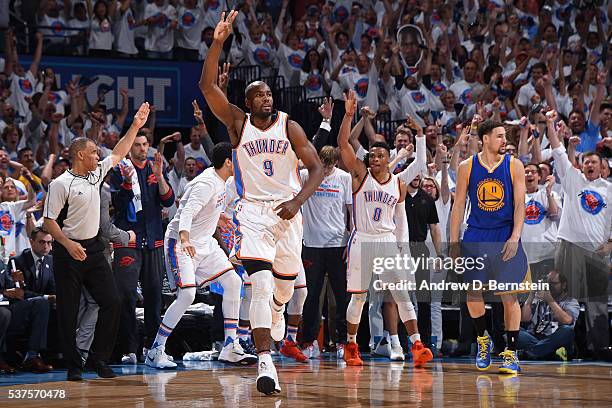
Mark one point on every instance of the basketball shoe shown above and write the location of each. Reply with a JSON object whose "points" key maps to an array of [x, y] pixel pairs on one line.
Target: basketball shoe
{"points": [[291, 350], [267, 378], [233, 353], [157, 358], [382, 348], [397, 353], [312, 351], [483, 355], [352, 355], [420, 354], [511, 362]]}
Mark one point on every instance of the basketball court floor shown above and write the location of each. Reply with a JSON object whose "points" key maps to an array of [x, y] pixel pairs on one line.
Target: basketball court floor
{"points": [[321, 383]]}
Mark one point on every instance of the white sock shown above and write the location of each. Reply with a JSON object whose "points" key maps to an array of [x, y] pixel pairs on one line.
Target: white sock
{"points": [[395, 340], [265, 357], [352, 338], [415, 337]]}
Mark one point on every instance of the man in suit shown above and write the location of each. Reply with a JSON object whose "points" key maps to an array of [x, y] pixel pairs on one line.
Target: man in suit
{"points": [[30, 289]]}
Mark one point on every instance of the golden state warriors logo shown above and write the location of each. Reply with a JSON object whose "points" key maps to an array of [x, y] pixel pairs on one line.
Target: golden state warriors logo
{"points": [[490, 195]]}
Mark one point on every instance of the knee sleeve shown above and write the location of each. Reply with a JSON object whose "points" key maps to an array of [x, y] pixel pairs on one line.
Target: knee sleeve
{"points": [[184, 299], [260, 313], [296, 304], [353, 312], [231, 283], [245, 303], [283, 290]]}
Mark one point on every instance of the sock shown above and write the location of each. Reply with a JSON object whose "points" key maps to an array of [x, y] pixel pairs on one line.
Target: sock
{"points": [[352, 338], [415, 337], [264, 357], [481, 325], [229, 328], [275, 306], [30, 354], [162, 335], [243, 333], [292, 333], [512, 339], [395, 340]]}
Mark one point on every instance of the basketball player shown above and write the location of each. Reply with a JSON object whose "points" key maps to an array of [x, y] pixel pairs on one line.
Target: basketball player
{"points": [[196, 258], [267, 146], [378, 197], [495, 184]]}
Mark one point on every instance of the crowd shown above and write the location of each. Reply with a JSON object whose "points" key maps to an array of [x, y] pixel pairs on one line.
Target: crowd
{"points": [[540, 67]]}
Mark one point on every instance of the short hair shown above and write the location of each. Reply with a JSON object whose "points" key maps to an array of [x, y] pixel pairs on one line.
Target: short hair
{"points": [[329, 155], [606, 105], [541, 66], [21, 151], [190, 158], [221, 152], [36, 231], [487, 127], [547, 164], [382, 145], [578, 111], [253, 85], [78, 145], [537, 166], [592, 153]]}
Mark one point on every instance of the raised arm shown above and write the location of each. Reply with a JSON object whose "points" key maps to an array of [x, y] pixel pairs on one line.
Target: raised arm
{"points": [[602, 77], [231, 116], [125, 143], [37, 54], [458, 211], [350, 160], [124, 108], [408, 174]]}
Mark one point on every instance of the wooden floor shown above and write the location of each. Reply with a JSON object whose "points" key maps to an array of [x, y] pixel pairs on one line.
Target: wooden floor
{"points": [[327, 383]]}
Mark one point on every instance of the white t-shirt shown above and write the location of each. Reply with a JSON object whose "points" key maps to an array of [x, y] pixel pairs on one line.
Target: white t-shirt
{"points": [[526, 92], [325, 212], [200, 155], [412, 101], [58, 98], [313, 83], [101, 34], [58, 31], [20, 88], [124, 31], [463, 91], [336, 89], [12, 226], [199, 208], [539, 231], [160, 37], [82, 195], [290, 64], [587, 208], [190, 26], [259, 54]]}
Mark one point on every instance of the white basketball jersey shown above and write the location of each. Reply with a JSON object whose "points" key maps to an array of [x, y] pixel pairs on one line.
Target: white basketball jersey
{"points": [[374, 205], [200, 207], [265, 165]]}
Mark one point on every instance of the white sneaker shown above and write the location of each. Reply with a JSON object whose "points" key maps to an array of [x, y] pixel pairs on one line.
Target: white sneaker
{"points": [[278, 324], [129, 359], [234, 354], [397, 353], [313, 350], [143, 357], [157, 358], [340, 351], [383, 348], [267, 378]]}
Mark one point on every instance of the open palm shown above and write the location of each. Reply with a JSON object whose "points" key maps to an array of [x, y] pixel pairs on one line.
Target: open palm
{"points": [[224, 27]]}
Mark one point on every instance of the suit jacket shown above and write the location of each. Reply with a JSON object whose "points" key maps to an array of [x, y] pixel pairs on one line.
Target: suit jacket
{"points": [[44, 285]]}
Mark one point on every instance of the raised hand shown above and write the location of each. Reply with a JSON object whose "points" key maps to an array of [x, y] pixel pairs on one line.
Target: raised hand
{"points": [[197, 112], [224, 27], [602, 77], [368, 112], [140, 118], [412, 124], [158, 165], [327, 108], [174, 137], [223, 78], [350, 105]]}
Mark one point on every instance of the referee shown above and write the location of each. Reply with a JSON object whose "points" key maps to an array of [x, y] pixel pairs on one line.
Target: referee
{"points": [[72, 217]]}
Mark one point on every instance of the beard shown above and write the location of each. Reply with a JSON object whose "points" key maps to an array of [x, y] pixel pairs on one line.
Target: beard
{"points": [[263, 115]]}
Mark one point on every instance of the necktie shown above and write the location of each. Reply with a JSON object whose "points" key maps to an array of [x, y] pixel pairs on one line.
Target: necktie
{"points": [[38, 268]]}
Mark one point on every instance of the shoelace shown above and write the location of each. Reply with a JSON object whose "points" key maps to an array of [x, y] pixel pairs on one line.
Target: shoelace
{"points": [[483, 342], [508, 356]]}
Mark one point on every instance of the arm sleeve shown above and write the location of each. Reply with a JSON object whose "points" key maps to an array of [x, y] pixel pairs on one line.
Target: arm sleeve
{"points": [[56, 199], [197, 197], [401, 225], [321, 138], [416, 166], [348, 189]]}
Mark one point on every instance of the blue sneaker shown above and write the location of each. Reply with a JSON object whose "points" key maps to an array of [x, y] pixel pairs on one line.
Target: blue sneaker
{"points": [[510, 364], [483, 355], [248, 347]]}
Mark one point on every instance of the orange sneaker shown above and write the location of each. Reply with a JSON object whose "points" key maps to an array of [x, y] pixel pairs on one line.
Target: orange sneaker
{"points": [[420, 354], [291, 350], [351, 355]]}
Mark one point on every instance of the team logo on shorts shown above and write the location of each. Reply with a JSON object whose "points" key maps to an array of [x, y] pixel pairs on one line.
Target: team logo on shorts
{"points": [[591, 202], [534, 213], [490, 195]]}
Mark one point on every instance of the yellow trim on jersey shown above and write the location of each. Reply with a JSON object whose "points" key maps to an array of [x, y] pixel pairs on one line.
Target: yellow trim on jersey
{"points": [[491, 170], [469, 170], [511, 169]]}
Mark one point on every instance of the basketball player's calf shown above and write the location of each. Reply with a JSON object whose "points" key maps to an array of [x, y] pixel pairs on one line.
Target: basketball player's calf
{"points": [[294, 315]]}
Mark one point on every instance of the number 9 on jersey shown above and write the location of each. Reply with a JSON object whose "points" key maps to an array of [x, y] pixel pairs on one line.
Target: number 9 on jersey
{"points": [[268, 167]]}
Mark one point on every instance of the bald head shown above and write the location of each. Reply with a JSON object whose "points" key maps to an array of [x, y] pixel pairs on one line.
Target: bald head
{"points": [[259, 99], [253, 87]]}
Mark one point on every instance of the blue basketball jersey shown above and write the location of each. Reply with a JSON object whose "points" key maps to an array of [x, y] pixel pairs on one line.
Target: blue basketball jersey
{"points": [[491, 195]]}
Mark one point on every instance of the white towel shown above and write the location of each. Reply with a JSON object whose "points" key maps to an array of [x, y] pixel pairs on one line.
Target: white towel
{"points": [[137, 200]]}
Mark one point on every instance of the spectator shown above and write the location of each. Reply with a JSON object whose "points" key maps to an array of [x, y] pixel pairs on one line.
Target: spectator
{"points": [[161, 19], [189, 30], [5, 321], [101, 29], [314, 76], [125, 24], [14, 213], [551, 315]]}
